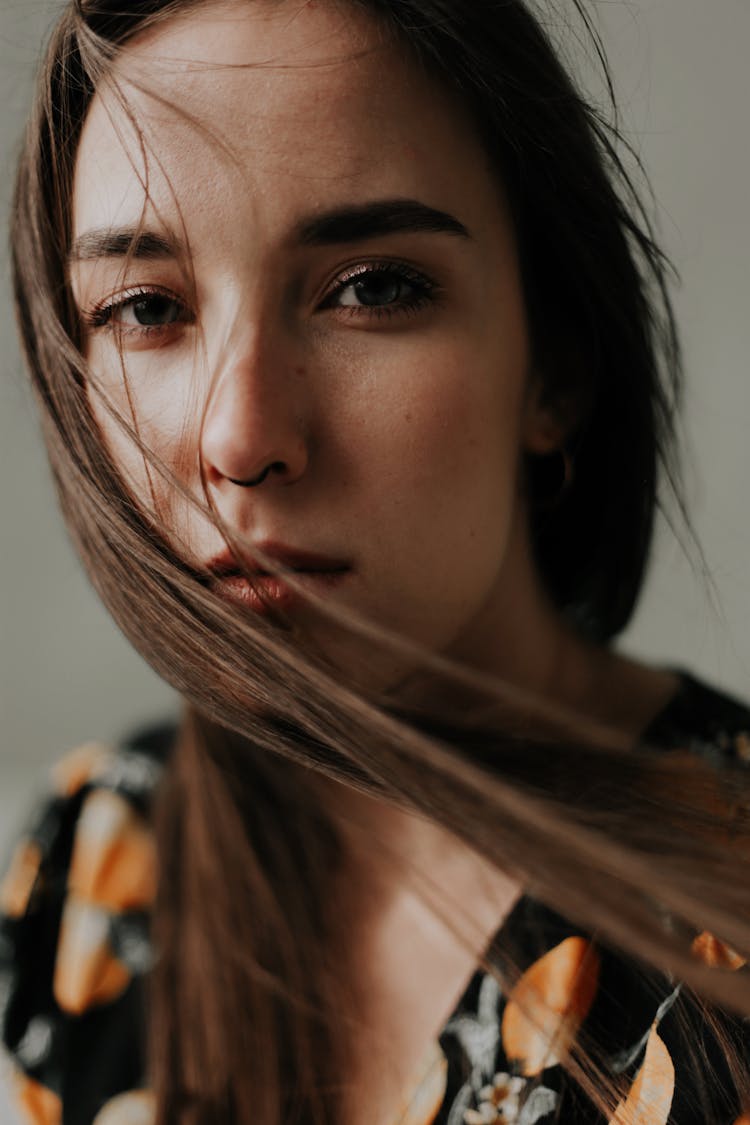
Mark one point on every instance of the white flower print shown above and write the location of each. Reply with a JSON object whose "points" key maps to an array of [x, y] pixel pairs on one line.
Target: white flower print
{"points": [[503, 1101], [479, 1035], [497, 1095], [498, 1101]]}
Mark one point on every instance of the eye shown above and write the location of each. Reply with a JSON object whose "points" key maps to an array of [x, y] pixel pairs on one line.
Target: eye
{"points": [[376, 289], [387, 287], [148, 312], [141, 311]]}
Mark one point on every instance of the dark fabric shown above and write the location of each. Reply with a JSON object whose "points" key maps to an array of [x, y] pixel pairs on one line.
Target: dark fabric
{"points": [[75, 955]]}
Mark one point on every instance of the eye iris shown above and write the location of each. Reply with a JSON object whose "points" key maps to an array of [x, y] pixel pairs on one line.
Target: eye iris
{"points": [[155, 310], [379, 289]]}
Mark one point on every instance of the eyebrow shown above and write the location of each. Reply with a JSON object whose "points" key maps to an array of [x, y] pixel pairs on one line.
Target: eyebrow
{"points": [[373, 220], [355, 223], [123, 242]]}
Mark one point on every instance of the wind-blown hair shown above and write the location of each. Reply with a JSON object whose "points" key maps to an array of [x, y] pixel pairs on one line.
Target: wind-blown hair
{"points": [[248, 1012]]}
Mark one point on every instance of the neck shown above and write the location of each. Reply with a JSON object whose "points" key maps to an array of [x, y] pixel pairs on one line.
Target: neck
{"points": [[521, 638]]}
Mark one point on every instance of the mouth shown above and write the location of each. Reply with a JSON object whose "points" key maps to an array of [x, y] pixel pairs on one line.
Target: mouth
{"points": [[262, 592]]}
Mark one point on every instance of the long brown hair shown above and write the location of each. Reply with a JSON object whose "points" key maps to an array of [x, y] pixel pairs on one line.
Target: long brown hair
{"points": [[249, 1009]]}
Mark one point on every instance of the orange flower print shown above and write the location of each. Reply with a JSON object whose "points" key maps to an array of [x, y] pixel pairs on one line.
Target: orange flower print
{"points": [[742, 746], [20, 880], [114, 858], [79, 766], [137, 1107], [650, 1097], [548, 1005], [716, 954], [38, 1105], [86, 971]]}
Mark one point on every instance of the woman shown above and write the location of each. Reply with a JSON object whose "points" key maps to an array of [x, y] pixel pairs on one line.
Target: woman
{"points": [[355, 370]]}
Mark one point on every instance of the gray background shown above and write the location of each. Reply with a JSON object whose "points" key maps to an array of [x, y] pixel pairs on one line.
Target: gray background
{"points": [[683, 80]]}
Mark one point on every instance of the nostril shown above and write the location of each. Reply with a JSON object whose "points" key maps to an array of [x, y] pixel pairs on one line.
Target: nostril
{"points": [[253, 482]]}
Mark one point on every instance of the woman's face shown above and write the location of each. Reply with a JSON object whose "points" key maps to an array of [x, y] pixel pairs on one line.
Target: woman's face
{"points": [[323, 309]]}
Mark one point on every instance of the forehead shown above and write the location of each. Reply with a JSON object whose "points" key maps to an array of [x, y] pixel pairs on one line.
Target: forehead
{"points": [[278, 102], [245, 67]]}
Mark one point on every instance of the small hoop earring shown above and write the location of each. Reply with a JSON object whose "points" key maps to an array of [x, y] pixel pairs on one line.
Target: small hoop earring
{"points": [[550, 478]]}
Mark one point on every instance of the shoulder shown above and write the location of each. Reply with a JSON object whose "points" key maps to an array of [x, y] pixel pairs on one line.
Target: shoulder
{"points": [[560, 987], [74, 935], [704, 720]]}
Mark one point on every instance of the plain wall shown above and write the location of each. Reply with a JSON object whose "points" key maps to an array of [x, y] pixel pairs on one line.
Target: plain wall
{"points": [[684, 86]]}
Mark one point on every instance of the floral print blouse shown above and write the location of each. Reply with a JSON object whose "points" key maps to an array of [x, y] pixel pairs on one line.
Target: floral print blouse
{"points": [[75, 951]]}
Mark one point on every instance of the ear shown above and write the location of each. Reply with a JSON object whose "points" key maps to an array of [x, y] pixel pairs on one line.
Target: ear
{"points": [[547, 423]]}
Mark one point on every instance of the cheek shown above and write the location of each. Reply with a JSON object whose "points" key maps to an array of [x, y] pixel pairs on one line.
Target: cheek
{"points": [[147, 398], [446, 420], [437, 450], [440, 474]]}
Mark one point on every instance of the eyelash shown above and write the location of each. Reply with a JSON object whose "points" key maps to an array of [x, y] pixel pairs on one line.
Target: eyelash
{"points": [[424, 290], [102, 315]]}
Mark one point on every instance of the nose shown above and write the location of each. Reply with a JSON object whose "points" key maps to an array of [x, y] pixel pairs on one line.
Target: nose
{"points": [[254, 428]]}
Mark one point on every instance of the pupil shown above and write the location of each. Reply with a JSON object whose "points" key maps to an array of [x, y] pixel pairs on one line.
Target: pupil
{"points": [[155, 311], [378, 290]]}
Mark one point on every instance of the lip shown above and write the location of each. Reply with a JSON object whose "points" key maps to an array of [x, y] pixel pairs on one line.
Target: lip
{"points": [[261, 592]]}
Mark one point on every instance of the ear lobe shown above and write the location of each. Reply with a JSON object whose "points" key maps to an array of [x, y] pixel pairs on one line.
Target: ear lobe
{"points": [[544, 430], [553, 412]]}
